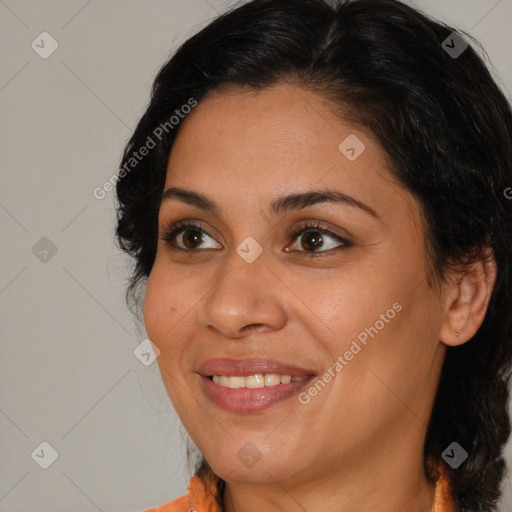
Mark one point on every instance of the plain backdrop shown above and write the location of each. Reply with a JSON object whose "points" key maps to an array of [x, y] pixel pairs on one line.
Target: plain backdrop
{"points": [[69, 376]]}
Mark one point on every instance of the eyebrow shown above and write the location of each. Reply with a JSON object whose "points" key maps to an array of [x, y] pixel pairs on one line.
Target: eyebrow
{"points": [[297, 201]]}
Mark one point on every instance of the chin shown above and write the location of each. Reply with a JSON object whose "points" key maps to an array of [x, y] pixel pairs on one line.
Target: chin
{"points": [[249, 467], [264, 474]]}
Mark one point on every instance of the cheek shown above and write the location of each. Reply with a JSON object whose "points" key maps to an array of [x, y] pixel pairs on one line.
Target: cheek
{"points": [[151, 304], [161, 316], [170, 317], [377, 319], [160, 309], [353, 304]]}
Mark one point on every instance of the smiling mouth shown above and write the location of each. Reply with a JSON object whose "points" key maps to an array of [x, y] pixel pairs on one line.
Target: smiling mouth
{"points": [[251, 384], [235, 394]]}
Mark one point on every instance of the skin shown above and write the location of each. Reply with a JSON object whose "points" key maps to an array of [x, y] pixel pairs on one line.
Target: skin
{"points": [[358, 444]]}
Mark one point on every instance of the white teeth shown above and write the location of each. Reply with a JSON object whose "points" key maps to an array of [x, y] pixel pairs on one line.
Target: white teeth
{"points": [[254, 381], [236, 382], [272, 379], [258, 380]]}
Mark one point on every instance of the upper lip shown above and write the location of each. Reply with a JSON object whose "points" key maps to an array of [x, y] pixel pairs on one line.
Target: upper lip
{"points": [[249, 366]]}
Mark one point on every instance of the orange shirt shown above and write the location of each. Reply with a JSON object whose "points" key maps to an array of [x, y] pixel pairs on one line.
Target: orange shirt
{"points": [[201, 498]]}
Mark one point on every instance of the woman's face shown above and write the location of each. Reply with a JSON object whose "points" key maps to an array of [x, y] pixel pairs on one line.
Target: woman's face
{"points": [[344, 307]]}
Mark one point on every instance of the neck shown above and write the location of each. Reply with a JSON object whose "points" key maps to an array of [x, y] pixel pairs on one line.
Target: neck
{"points": [[398, 482]]}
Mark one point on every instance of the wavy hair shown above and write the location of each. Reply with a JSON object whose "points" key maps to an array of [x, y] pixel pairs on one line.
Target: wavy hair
{"points": [[446, 129]]}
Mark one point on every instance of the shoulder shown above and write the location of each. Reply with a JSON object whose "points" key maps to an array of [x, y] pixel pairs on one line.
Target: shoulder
{"points": [[201, 496], [178, 505]]}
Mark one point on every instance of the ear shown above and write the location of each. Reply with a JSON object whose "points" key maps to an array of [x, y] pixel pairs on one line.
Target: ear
{"points": [[466, 300]]}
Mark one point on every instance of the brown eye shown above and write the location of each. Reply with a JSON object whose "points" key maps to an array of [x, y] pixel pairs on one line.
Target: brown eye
{"points": [[313, 238], [187, 237], [191, 237]]}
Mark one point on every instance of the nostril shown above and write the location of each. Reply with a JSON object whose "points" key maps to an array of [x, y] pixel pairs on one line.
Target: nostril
{"points": [[253, 327]]}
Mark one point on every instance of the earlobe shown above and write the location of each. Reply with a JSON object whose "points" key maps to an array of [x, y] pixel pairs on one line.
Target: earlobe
{"points": [[467, 300]]}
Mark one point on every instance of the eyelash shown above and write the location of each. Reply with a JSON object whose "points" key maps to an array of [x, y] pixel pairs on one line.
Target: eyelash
{"points": [[173, 228]]}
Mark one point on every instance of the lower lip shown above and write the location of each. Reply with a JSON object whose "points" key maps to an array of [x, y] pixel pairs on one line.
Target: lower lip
{"points": [[251, 400]]}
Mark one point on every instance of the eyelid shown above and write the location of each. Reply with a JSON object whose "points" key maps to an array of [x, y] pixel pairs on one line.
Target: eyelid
{"points": [[173, 225], [309, 225]]}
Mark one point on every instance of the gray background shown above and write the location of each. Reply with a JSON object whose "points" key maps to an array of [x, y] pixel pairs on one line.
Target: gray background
{"points": [[69, 376]]}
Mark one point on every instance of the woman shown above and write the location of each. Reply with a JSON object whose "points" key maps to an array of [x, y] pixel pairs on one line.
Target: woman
{"points": [[318, 214]]}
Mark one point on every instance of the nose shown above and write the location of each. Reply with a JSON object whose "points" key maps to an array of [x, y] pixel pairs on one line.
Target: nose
{"points": [[245, 297]]}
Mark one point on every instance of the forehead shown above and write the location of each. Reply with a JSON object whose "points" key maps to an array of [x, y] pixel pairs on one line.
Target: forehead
{"points": [[242, 146]]}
